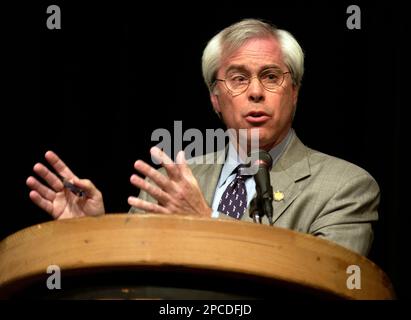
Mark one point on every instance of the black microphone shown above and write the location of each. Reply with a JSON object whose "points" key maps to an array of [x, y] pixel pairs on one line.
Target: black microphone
{"points": [[263, 204]]}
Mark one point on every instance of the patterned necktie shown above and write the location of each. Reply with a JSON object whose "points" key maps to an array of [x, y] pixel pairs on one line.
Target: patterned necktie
{"points": [[234, 199]]}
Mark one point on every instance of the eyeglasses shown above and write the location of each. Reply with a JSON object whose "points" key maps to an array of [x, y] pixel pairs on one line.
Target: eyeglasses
{"points": [[237, 82]]}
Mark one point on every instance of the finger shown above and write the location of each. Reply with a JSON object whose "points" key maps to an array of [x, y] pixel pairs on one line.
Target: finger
{"points": [[161, 157], [152, 190], [88, 187], [158, 178], [48, 176], [41, 202], [182, 163], [59, 165], [145, 205], [185, 169], [41, 189]]}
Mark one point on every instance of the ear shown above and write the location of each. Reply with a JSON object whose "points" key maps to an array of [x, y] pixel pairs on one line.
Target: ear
{"points": [[296, 90], [215, 102]]}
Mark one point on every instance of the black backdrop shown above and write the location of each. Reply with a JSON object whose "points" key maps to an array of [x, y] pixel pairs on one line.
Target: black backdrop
{"points": [[96, 89]]}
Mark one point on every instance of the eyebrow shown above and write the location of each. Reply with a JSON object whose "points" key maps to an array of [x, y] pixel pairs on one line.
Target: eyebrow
{"points": [[243, 68]]}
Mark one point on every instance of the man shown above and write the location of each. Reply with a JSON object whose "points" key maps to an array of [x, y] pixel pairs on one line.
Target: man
{"points": [[254, 72]]}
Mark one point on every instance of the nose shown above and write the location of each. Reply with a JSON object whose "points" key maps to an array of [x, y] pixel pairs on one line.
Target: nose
{"points": [[256, 91]]}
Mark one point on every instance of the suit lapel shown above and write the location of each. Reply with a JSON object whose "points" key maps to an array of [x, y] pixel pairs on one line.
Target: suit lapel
{"points": [[286, 175], [286, 186]]}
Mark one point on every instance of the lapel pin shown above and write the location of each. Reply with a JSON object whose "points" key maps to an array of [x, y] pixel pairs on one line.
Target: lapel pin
{"points": [[278, 196]]}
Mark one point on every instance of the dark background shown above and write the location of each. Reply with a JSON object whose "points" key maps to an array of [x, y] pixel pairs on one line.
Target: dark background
{"points": [[95, 90]]}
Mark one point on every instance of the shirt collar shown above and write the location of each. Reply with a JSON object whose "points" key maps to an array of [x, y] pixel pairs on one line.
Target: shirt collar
{"points": [[276, 152], [233, 160]]}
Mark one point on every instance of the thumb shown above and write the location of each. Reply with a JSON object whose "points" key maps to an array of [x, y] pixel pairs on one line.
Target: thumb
{"points": [[88, 187]]}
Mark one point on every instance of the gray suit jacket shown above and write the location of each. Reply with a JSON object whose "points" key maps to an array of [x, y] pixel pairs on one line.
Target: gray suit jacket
{"points": [[323, 195]]}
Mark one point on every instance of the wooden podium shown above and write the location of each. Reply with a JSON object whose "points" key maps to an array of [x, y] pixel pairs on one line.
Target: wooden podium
{"points": [[149, 256]]}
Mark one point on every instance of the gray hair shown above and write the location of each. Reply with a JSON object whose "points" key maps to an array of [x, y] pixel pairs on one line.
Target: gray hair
{"points": [[234, 36]]}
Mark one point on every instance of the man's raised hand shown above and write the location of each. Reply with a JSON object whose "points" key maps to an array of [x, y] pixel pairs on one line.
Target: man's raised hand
{"points": [[57, 200], [177, 192]]}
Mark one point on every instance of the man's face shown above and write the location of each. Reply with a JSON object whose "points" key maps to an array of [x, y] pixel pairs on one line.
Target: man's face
{"points": [[270, 112]]}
